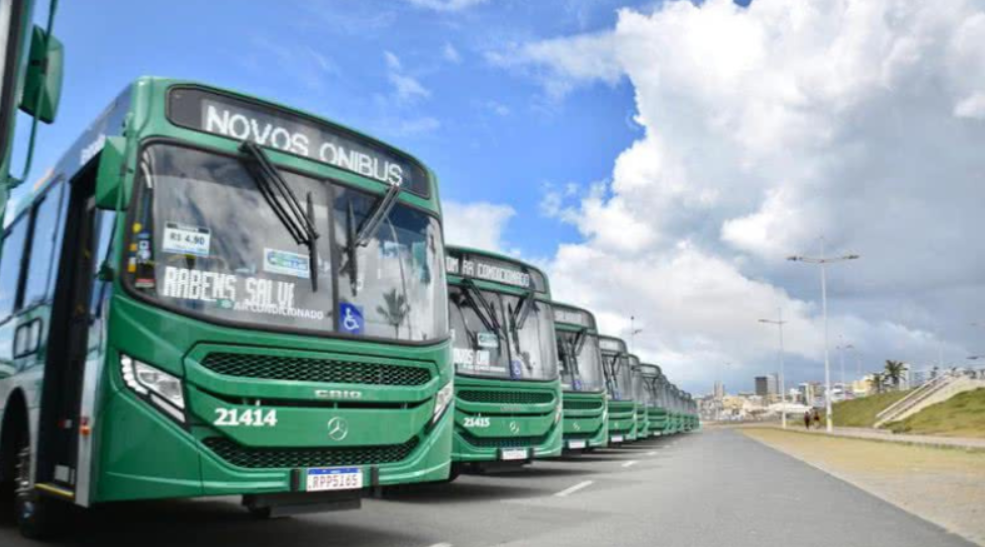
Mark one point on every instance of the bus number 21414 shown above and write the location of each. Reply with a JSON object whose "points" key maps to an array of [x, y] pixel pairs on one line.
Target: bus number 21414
{"points": [[231, 417]]}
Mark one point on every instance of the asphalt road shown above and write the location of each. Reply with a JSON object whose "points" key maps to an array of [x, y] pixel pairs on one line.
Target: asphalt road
{"points": [[713, 488]]}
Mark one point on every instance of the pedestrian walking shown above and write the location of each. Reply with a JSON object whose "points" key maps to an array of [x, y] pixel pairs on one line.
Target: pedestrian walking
{"points": [[817, 419], [807, 419]]}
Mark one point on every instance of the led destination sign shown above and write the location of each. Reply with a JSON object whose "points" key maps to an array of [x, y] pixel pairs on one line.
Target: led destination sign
{"points": [[573, 317], [491, 269], [608, 344], [280, 130]]}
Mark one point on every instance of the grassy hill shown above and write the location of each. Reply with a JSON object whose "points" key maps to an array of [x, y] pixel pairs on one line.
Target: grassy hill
{"points": [[862, 412], [960, 416]]}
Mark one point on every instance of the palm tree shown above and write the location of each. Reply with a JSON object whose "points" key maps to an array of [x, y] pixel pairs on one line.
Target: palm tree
{"points": [[396, 310], [877, 382], [894, 372]]}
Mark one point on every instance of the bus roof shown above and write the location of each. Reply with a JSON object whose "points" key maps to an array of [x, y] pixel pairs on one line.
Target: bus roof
{"points": [[471, 263], [574, 316], [611, 344]]}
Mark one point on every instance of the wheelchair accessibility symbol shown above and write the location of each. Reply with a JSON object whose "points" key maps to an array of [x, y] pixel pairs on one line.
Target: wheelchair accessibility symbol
{"points": [[351, 318]]}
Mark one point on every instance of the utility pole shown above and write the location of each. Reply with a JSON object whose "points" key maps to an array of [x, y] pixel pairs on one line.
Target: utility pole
{"points": [[783, 386], [633, 331], [823, 262]]}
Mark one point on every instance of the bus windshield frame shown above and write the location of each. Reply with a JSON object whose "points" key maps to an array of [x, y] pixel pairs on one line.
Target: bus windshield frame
{"points": [[485, 322], [203, 181], [580, 361]]}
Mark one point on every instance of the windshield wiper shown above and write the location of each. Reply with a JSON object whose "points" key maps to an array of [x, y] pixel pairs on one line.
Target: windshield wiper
{"points": [[360, 237], [480, 304], [522, 310], [299, 223]]}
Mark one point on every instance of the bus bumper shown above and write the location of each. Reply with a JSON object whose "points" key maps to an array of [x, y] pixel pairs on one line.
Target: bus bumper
{"points": [[144, 455]]}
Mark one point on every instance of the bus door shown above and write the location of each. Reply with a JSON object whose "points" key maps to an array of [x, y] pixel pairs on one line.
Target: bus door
{"points": [[73, 317]]}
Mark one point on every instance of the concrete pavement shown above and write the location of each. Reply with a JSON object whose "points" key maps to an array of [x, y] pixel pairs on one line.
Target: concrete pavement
{"points": [[704, 489]]}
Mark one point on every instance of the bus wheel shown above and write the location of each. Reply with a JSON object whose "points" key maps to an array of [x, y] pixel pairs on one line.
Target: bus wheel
{"points": [[38, 517]]}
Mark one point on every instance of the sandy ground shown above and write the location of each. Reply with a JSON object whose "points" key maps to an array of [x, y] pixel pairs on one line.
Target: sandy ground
{"points": [[944, 486]]}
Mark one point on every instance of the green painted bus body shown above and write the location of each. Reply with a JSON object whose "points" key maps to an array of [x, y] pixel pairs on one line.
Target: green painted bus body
{"points": [[133, 450], [622, 421], [492, 414], [586, 423]]}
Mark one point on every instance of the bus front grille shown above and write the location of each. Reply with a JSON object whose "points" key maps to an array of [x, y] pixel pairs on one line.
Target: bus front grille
{"points": [[506, 397], [583, 405], [290, 458], [503, 442], [309, 369]]}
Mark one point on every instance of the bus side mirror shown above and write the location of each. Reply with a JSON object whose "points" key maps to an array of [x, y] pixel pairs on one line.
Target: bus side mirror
{"points": [[111, 168], [43, 83]]}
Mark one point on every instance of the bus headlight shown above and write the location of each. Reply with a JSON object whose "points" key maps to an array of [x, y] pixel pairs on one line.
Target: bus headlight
{"points": [[442, 398], [161, 388]]}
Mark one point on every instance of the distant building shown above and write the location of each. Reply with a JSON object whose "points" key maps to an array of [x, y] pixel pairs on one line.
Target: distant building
{"points": [[762, 386], [719, 390], [773, 384]]}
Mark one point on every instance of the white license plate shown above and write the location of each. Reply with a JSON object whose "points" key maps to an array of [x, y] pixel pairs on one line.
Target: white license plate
{"points": [[323, 479], [617, 438], [510, 454], [576, 445]]}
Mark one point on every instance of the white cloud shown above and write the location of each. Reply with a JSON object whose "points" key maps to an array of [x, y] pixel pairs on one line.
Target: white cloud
{"points": [[563, 63], [450, 54], [446, 5], [478, 225], [406, 88], [765, 128]]}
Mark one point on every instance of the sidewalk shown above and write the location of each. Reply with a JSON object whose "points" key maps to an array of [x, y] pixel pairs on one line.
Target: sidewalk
{"points": [[882, 435]]}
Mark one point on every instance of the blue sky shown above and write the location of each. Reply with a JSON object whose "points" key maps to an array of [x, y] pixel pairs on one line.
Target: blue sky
{"points": [[416, 77]]}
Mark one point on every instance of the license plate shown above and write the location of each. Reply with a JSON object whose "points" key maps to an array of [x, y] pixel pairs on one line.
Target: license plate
{"points": [[617, 438], [510, 454], [324, 479], [576, 445]]}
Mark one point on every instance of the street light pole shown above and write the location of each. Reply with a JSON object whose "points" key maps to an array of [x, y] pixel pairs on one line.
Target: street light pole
{"points": [[823, 262], [633, 331], [783, 386]]}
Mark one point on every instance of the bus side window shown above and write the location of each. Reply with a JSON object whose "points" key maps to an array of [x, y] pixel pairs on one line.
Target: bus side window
{"points": [[41, 258], [10, 266]]}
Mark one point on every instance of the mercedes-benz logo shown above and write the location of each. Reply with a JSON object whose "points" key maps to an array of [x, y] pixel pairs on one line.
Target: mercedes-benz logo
{"points": [[514, 428], [338, 429], [577, 426]]}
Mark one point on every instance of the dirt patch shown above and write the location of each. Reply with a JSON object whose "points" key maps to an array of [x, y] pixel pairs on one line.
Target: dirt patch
{"points": [[946, 487]]}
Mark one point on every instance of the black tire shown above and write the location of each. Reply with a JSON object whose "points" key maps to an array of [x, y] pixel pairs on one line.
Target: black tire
{"points": [[7, 493], [38, 517]]}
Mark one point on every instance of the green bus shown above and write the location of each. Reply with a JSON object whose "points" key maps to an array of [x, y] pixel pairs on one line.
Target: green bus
{"points": [[619, 386], [676, 416], [30, 81], [642, 397], [656, 411], [507, 388], [582, 379], [691, 407], [212, 294]]}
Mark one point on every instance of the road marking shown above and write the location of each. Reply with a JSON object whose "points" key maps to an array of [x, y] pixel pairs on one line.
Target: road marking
{"points": [[630, 463], [573, 489], [441, 545], [652, 453]]}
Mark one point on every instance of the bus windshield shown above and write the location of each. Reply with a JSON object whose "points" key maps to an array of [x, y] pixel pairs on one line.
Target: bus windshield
{"points": [[578, 357], [490, 340], [204, 241], [640, 393]]}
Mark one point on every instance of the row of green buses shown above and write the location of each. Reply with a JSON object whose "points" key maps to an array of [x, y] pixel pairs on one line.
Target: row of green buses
{"points": [[210, 294]]}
